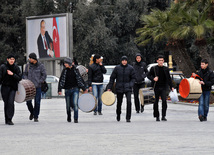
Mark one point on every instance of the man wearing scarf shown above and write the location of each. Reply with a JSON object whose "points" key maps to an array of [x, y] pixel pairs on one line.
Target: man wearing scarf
{"points": [[10, 75]]}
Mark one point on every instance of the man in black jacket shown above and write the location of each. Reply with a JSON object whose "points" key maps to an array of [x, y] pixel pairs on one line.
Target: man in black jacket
{"points": [[140, 72], [71, 81], [125, 78], [160, 77], [95, 81], [10, 75], [207, 80]]}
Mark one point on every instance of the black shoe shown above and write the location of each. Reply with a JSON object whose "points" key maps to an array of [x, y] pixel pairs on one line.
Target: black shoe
{"points": [[142, 109], [205, 118], [10, 123], [100, 113], [201, 118], [118, 118], [157, 119], [128, 120], [137, 112], [163, 119], [31, 117], [95, 113], [36, 120], [69, 119], [75, 120]]}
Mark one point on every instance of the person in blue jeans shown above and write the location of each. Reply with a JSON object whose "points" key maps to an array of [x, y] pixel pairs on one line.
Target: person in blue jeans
{"points": [[35, 72], [95, 81], [71, 81], [206, 81]]}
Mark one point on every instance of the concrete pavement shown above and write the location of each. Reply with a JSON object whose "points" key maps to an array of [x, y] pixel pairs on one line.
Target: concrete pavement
{"points": [[53, 135]]}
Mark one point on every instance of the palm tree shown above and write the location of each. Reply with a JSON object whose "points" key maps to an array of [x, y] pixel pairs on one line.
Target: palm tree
{"points": [[159, 25]]}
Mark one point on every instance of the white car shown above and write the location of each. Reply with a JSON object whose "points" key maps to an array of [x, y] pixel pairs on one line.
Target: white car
{"points": [[53, 80], [106, 76]]}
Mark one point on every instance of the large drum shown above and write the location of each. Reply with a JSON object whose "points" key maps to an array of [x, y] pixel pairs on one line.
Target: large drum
{"points": [[108, 98], [87, 102], [190, 88], [83, 72], [26, 91]]}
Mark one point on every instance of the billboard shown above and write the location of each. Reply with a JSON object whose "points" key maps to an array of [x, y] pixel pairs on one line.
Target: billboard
{"points": [[50, 36]]}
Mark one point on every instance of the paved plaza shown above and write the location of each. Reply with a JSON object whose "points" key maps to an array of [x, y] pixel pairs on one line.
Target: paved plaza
{"points": [[182, 134]]}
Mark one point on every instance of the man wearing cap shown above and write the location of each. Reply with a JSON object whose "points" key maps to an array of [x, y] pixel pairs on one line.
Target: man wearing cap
{"points": [[141, 72], [125, 78], [95, 81], [35, 72], [71, 81], [10, 75]]}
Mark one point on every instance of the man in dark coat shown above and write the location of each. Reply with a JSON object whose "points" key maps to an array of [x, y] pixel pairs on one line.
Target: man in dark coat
{"points": [[206, 81], [140, 74], [160, 77], [125, 78], [10, 75], [35, 72]]}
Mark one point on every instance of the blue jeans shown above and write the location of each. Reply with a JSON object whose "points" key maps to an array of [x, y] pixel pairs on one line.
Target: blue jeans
{"points": [[204, 101], [35, 111], [71, 98], [97, 92]]}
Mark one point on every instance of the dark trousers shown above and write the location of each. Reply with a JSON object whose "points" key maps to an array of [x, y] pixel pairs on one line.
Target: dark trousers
{"points": [[36, 109], [136, 95], [160, 92], [8, 96], [129, 104]]}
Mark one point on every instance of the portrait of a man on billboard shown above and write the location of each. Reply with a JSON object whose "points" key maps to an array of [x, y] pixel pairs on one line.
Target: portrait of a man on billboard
{"points": [[47, 37]]}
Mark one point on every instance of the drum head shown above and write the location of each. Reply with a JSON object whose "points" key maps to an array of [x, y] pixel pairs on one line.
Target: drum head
{"points": [[20, 94], [108, 98], [87, 102]]}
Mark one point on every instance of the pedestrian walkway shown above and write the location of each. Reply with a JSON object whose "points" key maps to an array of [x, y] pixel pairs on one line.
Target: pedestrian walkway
{"points": [[182, 134]]}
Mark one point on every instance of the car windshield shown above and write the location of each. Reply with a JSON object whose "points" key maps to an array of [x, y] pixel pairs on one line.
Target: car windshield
{"points": [[109, 71]]}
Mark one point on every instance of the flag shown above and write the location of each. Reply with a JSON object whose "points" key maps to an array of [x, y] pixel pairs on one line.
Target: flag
{"points": [[56, 43]]}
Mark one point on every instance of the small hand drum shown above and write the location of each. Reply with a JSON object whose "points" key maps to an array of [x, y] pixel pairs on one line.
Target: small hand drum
{"points": [[87, 102], [108, 98]]}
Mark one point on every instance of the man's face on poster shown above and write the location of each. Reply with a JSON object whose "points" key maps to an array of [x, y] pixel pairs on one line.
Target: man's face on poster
{"points": [[43, 28]]}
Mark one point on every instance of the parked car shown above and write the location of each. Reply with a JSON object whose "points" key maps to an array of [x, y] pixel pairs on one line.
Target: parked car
{"points": [[176, 77], [106, 76], [53, 82], [51, 79]]}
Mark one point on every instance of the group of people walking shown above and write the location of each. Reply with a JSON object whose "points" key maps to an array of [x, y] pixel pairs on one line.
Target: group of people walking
{"points": [[128, 78]]}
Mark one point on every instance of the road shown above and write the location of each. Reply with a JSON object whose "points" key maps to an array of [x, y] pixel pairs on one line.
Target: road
{"points": [[182, 134]]}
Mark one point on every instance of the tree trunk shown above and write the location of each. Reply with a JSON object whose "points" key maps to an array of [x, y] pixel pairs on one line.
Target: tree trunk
{"points": [[181, 57], [205, 55]]}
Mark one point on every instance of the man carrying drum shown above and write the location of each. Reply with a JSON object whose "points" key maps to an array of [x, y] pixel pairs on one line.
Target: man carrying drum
{"points": [[141, 73], [36, 73], [10, 75], [95, 81], [71, 81], [159, 75], [125, 78], [206, 81]]}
